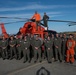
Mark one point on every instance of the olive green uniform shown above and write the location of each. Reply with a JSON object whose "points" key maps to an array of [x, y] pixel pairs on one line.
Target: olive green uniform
{"points": [[45, 55], [37, 43], [64, 40], [19, 47], [45, 18], [12, 44], [57, 43], [0, 49], [26, 50], [49, 44], [0, 52], [4, 44], [31, 48]]}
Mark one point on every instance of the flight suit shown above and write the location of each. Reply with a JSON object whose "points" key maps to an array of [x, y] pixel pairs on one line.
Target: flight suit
{"points": [[64, 40], [57, 44], [37, 18], [32, 48], [45, 18], [4, 44], [49, 46], [45, 53], [26, 50], [0, 52], [37, 49], [12, 44], [70, 51], [19, 47], [0, 49], [75, 47], [53, 47]]}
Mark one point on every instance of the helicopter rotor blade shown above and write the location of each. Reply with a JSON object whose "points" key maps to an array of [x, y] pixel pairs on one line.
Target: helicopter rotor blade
{"points": [[61, 21], [41, 20], [13, 18], [13, 22]]}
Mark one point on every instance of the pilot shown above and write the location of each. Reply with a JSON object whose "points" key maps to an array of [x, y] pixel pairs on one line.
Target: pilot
{"points": [[37, 48], [26, 50], [75, 45], [4, 44], [12, 44], [19, 46], [57, 44], [45, 19], [64, 40], [49, 45], [70, 49]]}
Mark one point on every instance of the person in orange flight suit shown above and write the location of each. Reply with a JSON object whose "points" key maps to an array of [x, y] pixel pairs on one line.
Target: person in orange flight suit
{"points": [[70, 49], [75, 46], [37, 18]]}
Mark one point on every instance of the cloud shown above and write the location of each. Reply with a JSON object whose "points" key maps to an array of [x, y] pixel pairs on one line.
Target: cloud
{"points": [[27, 7], [16, 15], [21, 15], [36, 6], [27, 16], [55, 16], [50, 13]]}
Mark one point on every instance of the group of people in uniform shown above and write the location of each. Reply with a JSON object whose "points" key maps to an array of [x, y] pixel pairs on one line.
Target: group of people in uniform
{"points": [[30, 46]]}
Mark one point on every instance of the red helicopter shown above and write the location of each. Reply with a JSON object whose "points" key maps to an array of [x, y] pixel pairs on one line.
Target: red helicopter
{"points": [[30, 27]]}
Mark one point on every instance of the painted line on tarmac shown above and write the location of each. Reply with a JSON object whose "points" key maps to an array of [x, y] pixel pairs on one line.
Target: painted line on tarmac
{"points": [[26, 68]]}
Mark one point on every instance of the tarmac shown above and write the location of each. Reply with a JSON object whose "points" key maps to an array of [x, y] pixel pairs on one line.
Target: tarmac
{"points": [[17, 67]]}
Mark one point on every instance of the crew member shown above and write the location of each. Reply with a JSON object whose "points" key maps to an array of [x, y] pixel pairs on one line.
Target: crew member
{"points": [[19, 46], [26, 50], [12, 44], [75, 45], [37, 48], [49, 44], [70, 49], [4, 44], [45, 19], [64, 40], [37, 18], [57, 44]]}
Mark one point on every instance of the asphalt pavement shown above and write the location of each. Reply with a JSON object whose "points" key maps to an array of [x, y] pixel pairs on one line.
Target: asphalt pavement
{"points": [[17, 67]]}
